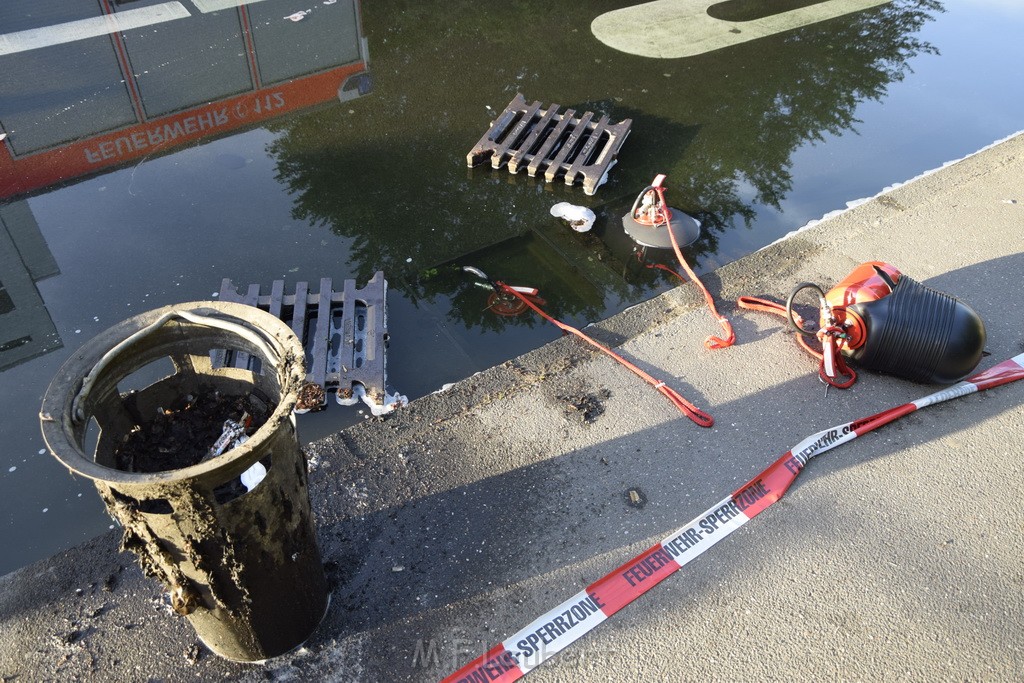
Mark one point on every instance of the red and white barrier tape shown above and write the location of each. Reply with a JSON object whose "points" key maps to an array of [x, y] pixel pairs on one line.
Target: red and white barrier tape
{"points": [[552, 632]]}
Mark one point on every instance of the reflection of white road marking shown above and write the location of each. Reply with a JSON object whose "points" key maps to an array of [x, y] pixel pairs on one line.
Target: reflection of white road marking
{"points": [[207, 6], [32, 39], [682, 28]]}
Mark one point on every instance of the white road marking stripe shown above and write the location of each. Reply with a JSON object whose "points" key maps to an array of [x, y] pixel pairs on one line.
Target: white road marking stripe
{"points": [[669, 29], [71, 31], [207, 6]]}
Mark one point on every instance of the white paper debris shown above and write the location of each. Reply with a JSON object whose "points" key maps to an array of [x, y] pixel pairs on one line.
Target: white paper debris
{"points": [[581, 219], [391, 401], [253, 476]]}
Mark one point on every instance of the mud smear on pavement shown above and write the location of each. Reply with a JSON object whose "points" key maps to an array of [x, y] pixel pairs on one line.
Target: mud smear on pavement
{"points": [[586, 407]]}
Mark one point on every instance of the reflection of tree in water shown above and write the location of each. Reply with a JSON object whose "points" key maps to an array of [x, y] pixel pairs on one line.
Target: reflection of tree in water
{"points": [[777, 95], [391, 176], [532, 260], [469, 306]]}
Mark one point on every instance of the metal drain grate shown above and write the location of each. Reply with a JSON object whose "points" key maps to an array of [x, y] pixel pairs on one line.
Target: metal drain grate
{"points": [[344, 333], [561, 145]]}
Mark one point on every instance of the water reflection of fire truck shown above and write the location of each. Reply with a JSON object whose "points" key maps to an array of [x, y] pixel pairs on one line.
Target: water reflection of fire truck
{"points": [[93, 84]]}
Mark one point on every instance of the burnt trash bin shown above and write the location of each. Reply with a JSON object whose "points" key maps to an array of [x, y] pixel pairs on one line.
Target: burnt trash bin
{"points": [[242, 565]]}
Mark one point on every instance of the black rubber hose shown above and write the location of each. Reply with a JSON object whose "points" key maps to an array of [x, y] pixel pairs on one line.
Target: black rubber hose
{"points": [[789, 305]]}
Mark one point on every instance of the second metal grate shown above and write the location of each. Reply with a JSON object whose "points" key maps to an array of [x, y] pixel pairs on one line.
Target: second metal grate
{"points": [[561, 145]]}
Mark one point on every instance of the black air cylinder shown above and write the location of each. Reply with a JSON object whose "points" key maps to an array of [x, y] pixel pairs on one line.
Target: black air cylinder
{"points": [[919, 334]]}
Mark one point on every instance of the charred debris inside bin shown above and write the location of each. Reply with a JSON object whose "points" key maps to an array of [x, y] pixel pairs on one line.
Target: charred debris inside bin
{"points": [[186, 432]]}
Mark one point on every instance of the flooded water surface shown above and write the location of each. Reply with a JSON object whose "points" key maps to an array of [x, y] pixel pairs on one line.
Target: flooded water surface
{"points": [[147, 158]]}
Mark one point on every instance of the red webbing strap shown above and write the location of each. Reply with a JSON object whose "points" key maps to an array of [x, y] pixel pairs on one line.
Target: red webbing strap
{"points": [[661, 266], [841, 369], [832, 364], [712, 342], [753, 303], [685, 407]]}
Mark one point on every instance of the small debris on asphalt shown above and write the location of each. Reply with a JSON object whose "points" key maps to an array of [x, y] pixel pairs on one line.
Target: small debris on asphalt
{"points": [[193, 653], [587, 407], [636, 498]]}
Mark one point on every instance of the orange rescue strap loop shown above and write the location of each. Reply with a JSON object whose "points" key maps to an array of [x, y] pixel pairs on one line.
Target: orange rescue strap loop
{"points": [[833, 365], [832, 339], [712, 342], [691, 411]]}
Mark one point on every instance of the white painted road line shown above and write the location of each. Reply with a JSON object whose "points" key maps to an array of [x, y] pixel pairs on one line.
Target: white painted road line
{"points": [[58, 34], [669, 29], [207, 6]]}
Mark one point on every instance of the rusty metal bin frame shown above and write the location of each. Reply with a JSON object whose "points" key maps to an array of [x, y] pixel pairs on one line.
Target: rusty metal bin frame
{"points": [[246, 572]]}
